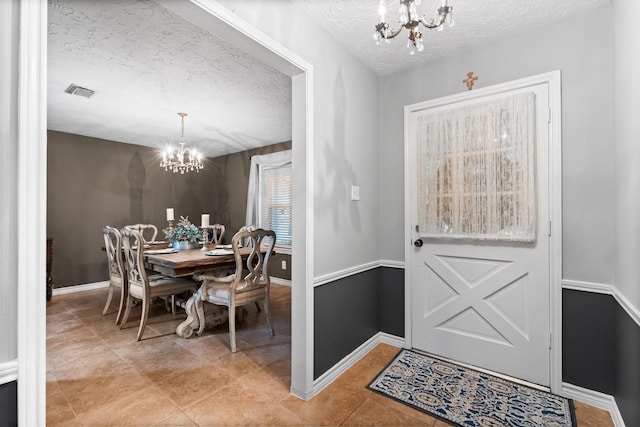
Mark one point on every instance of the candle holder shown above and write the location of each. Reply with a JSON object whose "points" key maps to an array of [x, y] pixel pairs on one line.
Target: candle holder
{"points": [[205, 238]]}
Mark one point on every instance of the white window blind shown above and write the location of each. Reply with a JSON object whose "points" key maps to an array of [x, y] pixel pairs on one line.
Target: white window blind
{"points": [[477, 170], [275, 201], [270, 196]]}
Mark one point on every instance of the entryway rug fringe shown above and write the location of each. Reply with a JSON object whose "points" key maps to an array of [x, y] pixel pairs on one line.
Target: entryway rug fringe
{"points": [[469, 398]]}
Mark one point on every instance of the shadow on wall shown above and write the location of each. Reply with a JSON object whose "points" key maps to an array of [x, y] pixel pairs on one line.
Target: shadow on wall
{"points": [[335, 187]]}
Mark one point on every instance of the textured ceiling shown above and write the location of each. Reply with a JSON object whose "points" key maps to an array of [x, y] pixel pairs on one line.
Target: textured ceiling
{"points": [[476, 22], [146, 64]]}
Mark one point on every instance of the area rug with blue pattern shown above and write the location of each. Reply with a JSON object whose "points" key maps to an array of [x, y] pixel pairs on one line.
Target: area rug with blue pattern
{"points": [[469, 398]]}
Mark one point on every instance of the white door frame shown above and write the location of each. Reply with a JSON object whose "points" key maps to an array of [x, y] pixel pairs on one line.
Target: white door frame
{"points": [[32, 196], [553, 79]]}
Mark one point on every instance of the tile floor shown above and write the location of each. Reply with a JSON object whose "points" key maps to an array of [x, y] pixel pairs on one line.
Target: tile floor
{"points": [[99, 375]]}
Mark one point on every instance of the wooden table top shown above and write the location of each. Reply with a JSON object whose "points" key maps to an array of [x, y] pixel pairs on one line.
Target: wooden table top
{"points": [[187, 262]]}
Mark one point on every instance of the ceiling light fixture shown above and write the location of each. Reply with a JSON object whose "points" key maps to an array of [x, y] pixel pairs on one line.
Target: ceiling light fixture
{"points": [[174, 159], [410, 19]]}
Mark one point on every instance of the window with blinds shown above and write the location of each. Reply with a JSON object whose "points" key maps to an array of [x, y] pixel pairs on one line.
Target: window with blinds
{"points": [[275, 197]]}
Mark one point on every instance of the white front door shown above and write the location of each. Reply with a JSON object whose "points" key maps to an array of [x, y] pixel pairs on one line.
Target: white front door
{"points": [[484, 302]]}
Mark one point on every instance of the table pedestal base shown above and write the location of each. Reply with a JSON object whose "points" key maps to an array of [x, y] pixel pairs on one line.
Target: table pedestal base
{"points": [[214, 315]]}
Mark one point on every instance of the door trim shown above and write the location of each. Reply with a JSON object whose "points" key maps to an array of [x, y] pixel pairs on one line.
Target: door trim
{"points": [[553, 79]]}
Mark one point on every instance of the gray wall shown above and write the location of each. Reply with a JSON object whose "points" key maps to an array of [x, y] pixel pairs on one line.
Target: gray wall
{"points": [[626, 65], [8, 208], [584, 57], [93, 183], [345, 135]]}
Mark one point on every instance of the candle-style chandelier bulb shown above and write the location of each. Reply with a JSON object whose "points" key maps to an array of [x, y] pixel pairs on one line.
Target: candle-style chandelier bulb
{"points": [[173, 159], [410, 18]]}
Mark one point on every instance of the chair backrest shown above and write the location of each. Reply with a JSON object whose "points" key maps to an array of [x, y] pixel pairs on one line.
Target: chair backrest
{"points": [[216, 233], [254, 271], [142, 228], [132, 243], [113, 247]]}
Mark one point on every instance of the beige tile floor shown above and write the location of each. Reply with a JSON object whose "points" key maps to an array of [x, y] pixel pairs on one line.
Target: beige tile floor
{"points": [[99, 375]]}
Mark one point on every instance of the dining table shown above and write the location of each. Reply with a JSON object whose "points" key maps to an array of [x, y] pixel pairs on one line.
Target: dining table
{"points": [[190, 263]]}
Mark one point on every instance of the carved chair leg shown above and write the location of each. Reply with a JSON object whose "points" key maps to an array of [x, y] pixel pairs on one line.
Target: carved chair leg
{"points": [[127, 311], [143, 318], [258, 306], [232, 327], [267, 312], [108, 303], [123, 297]]}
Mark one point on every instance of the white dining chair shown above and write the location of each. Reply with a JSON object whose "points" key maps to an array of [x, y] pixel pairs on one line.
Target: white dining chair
{"points": [[115, 264], [249, 283], [143, 228], [143, 287]]}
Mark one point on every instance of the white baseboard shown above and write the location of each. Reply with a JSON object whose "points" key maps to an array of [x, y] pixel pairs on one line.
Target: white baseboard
{"points": [[80, 288], [8, 371], [594, 398], [342, 366], [279, 281]]}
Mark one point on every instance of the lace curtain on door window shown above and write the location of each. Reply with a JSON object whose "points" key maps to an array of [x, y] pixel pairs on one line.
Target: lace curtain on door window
{"points": [[476, 171]]}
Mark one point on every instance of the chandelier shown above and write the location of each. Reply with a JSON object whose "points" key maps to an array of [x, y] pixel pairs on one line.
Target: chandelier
{"points": [[174, 158], [411, 19]]}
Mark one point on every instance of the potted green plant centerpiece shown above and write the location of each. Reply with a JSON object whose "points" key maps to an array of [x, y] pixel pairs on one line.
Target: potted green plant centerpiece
{"points": [[184, 235]]}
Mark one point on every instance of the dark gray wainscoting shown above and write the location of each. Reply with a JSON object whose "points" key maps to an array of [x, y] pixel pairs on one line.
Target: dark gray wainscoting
{"points": [[9, 404], [627, 367], [391, 309], [601, 349], [588, 337], [349, 311]]}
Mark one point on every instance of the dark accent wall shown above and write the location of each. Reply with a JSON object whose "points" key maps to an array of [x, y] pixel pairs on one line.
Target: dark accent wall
{"points": [[601, 349], [391, 294], [627, 367], [588, 340], [93, 182], [351, 310], [9, 404]]}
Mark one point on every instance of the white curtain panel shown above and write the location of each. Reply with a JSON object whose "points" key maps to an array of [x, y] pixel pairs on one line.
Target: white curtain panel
{"points": [[272, 160], [476, 170]]}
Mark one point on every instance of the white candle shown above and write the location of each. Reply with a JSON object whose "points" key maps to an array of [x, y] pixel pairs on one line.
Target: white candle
{"points": [[205, 220], [169, 214]]}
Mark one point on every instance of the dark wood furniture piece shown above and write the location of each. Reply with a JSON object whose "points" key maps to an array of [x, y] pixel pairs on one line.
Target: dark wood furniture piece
{"points": [[49, 261]]}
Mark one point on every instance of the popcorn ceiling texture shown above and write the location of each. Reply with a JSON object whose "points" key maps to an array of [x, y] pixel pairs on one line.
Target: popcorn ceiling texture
{"points": [[146, 64], [477, 22]]}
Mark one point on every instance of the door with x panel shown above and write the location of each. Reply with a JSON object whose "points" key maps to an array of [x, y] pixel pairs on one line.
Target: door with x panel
{"points": [[479, 262]]}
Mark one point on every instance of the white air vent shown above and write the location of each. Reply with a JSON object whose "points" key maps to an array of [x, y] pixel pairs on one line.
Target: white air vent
{"points": [[80, 91]]}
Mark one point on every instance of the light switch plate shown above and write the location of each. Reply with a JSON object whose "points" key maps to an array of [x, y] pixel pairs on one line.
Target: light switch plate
{"points": [[355, 192]]}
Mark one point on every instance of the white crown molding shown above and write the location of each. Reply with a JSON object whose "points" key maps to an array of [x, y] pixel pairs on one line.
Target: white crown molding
{"points": [[605, 289], [594, 398], [9, 371], [343, 365]]}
